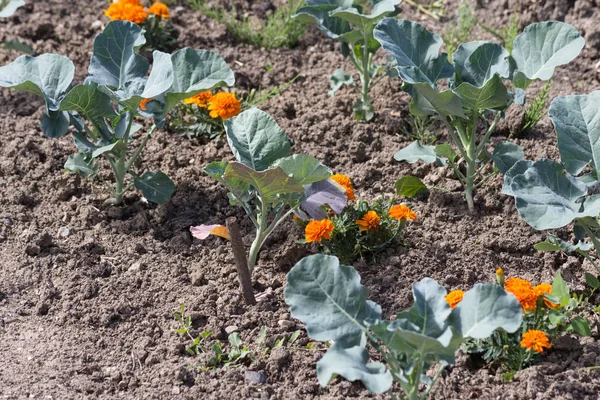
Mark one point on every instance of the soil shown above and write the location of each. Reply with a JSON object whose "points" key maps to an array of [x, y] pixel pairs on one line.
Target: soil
{"points": [[88, 292]]}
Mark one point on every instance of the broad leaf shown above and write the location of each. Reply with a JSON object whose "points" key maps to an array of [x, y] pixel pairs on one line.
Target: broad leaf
{"points": [[19, 46], [403, 341], [592, 281], [78, 163], [576, 119], [304, 168], [269, 183], [505, 155], [339, 79], [560, 290], [581, 326], [416, 50], [492, 96], [485, 62], [415, 152], [517, 169], [114, 62], [318, 194], [255, 139], [427, 101], [10, 8], [554, 243], [88, 100], [366, 22], [352, 364], [155, 186], [329, 299], [319, 10], [430, 309], [410, 186], [485, 308], [544, 46], [547, 198], [55, 123]]}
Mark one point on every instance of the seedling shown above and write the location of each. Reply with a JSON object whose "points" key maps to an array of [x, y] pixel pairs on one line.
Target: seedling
{"points": [[476, 95], [460, 31], [329, 299], [348, 22], [185, 325], [102, 109], [535, 110]]}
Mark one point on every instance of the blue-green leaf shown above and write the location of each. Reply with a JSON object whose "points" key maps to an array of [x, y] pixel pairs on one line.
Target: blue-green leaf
{"points": [[155, 186], [492, 96], [268, 183], [415, 152], [10, 7], [427, 101], [505, 155], [304, 168], [486, 61], [88, 100]]}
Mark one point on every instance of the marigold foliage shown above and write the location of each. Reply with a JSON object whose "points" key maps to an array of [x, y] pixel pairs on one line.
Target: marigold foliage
{"points": [[369, 222], [317, 230], [454, 297], [159, 9], [201, 99], [126, 10], [224, 105], [400, 211], [346, 183], [535, 340]]}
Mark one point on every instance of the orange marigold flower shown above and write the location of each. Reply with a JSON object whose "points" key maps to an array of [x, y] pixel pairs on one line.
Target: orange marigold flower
{"points": [[143, 104], [200, 99], [346, 183], [369, 222], [523, 291], [541, 290], [126, 10], [160, 10], [317, 230], [454, 297], [224, 105], [535, 340], [401, 211]]}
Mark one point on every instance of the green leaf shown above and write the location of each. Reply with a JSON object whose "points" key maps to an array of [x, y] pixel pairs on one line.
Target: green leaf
{"points": [[234, 339], [544, 46], [269, 183], [446, 151], [581, 326], [104, 149], [485, 308], [430, 310], [155, 186], [592, 281], [425, 347], [576, 119], [55, 123], [319, 10], [17, 45], [88, 100], [415, 152], [216, 169], [560, 290], [78, 163], [416, 50], [427, 101], [10, 7], [546, 197], [546, 246], [329, 299], [114, 62], [352, 364], [255, 139], [410, 186], [492, 96], [485, 62], [554, 243], [505, 155], [366, 22], [339, 79], [305, 169]]}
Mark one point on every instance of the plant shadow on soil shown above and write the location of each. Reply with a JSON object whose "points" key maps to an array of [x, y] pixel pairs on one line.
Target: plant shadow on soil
{"points": [[88, 313]]}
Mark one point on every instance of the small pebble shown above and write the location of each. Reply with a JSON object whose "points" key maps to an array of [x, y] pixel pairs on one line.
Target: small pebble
{"points": [[63, 232], [230, 329], [255, 376]]}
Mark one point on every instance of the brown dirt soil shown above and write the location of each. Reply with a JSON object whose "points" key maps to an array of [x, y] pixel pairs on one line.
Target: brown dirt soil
{"points": [[88, 313]]}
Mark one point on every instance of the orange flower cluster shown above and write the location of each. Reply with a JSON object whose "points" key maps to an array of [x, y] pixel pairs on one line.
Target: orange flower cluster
{"points": [[132, 10], [369, 222], [224, 105], [201, 99], [317, 230], [527, 294], [346, 183], [535, 340], [454, 297], [402, 212]]}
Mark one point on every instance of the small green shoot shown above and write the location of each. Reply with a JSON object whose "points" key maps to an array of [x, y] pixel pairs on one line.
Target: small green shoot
{"points": [[509, 33], [185, 326], [423, 129], [535, 110], [461, 30]]}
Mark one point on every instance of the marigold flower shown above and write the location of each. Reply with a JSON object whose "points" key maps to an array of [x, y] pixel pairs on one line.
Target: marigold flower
{"points": [[541, 290], [317, 230], [454, 297], [159, 9], [369, 222], [126, 10], [199, 99], [523, 291], [535, 340], [346, 183], [224, 105], [143, 104], [401, 211]]}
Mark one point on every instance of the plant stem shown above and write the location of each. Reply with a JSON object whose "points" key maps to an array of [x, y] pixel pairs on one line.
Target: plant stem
{"points": [[241, 264]]}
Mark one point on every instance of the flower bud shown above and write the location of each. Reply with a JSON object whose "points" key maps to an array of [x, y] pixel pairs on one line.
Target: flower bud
{"points": [[500, 276]]}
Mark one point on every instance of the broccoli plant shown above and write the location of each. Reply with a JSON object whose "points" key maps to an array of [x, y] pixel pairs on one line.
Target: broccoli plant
{"points": [[267, 181], [329, 299], [477, 93], [347, 21], [551, 195], [102, 109]]}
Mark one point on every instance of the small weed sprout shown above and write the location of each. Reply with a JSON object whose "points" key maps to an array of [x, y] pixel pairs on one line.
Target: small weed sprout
{"points": [[185, 326], [422, 129], [535, 110], [509, 33], [461, 30]]}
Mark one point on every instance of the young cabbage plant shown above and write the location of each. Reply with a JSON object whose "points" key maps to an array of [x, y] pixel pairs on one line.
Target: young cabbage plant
{"points": [[477, 96], [331, 302], [348, 21], [102, 109], [551, 195], [267, 181]]}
